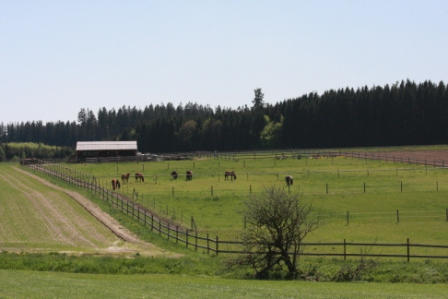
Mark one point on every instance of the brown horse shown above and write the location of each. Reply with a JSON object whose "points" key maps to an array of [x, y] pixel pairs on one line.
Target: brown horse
{"points": [[230, 174], [289, 180], [189, 175], [125, 177], [139, 177], [115, 184], [174, 174]]}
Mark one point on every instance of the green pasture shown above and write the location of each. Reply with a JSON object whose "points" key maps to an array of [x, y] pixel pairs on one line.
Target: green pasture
{"points": [[420, 194], [29, 284]]}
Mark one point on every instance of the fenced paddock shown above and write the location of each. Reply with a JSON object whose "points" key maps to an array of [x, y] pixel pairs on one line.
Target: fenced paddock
{"points": [[203, 239]]}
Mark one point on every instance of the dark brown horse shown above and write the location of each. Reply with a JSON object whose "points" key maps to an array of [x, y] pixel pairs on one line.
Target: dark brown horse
{"points": [[174, 174], [139, 177], [125, 178], [115, 184], [230, 174], [289, 180], [189, 175]]}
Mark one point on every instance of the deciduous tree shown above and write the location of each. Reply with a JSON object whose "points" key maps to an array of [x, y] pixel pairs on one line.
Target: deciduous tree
{"points": [[277, 223]]}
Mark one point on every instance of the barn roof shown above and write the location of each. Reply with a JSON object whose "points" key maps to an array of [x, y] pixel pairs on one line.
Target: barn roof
{"points": [[106, 146]]}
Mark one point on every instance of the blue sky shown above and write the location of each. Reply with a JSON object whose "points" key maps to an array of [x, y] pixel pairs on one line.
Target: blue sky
{"points": [[59, 56]]}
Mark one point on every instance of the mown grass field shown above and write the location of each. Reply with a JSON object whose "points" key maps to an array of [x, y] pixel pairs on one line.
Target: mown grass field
{"points": [[29, 284], [419, 193], [38, 218]]}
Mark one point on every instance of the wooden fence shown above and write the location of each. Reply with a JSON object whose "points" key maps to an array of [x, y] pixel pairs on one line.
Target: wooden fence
{"points": [[197, 241], [383, 156]]}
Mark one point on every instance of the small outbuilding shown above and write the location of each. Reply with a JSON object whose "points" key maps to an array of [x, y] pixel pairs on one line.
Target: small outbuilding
{"points": [[101, 149]]}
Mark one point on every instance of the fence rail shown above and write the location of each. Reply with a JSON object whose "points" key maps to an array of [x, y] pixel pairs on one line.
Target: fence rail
{"points": [[194, 239]]}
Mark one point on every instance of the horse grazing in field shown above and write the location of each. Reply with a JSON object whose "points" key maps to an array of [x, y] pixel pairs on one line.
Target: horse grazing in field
{"points": [[125, 177], [115, 184], [139, 177], [230, 174], [289, 180], [174, 174], [189, 175]]}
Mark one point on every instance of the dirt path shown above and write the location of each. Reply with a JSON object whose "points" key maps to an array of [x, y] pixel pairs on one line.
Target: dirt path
{"points": [[113, 225]]}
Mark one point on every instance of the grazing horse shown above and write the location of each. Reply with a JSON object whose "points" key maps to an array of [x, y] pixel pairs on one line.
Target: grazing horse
{"points": [[289, 180], [174, 174], [189, 175], [125, 177], [139, 177], [230, 174], [115, 184]]}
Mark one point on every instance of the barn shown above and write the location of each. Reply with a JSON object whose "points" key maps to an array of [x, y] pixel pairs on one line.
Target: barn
{"points": [[102, 149]]}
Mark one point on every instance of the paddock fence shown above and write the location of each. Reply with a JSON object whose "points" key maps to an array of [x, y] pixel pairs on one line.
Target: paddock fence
{"points": [[195, 239]]}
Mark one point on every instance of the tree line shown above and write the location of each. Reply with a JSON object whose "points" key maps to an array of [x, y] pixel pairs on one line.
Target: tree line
{"points": [[16, 151], [399, 114]]}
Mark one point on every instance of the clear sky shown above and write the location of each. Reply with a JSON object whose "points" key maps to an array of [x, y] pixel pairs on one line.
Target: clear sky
{"points": [[59, 56]]}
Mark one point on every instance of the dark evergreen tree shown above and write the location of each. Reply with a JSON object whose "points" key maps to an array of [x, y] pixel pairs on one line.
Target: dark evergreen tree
{"points": [[402, 113]]}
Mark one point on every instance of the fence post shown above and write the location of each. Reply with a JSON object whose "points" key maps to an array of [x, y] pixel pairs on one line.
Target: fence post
{"points": [[398, 216], [186, 238], [208, 244], [177, 233], [211, 190], [364, 187], [217, 246], [144, 221], [345, 250], [408, 249], [196, 240], [160, 227], [250, 189], [348, 217], [152, 222], [401, 186], [168, 234]]}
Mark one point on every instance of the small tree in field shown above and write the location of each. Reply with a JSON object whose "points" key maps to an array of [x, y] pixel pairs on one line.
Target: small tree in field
{"points": [[277, 223]]}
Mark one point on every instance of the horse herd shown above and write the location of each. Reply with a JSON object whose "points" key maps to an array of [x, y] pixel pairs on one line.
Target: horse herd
{"points": [[228, 175]]}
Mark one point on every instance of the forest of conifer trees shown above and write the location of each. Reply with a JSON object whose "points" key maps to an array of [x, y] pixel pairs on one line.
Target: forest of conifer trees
{"points": [[403, 113]]}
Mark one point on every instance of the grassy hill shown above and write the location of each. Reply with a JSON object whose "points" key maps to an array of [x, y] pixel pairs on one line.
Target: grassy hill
{"points": [[37, 218]]}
